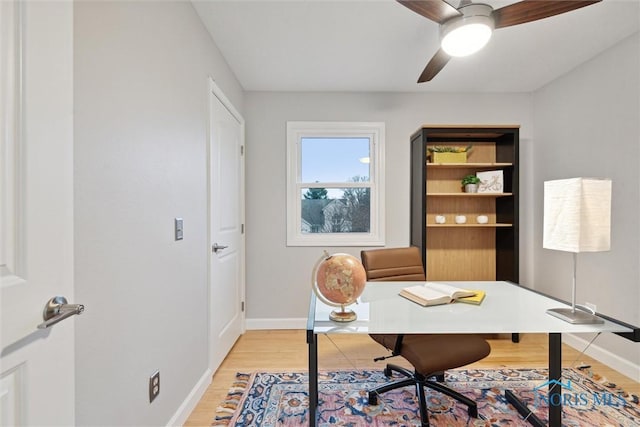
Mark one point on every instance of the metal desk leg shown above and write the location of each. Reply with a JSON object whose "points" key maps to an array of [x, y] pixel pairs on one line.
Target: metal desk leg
{"points": [[555, 391], [555, 375], [523, 409], [312, 341]]}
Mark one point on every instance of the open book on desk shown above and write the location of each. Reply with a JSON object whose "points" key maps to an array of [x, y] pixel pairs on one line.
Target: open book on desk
{"points": [[436, 293]]}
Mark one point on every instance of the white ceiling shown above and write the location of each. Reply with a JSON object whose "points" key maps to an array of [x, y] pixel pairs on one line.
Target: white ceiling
{"points": [[380, 45]]}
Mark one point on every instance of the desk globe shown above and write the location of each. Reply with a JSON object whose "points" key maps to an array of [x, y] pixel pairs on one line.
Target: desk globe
{"points": [[338, 280]]}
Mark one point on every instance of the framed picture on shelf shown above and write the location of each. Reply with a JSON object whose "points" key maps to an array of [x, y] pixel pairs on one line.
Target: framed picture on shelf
{"points": [[490, 181]]}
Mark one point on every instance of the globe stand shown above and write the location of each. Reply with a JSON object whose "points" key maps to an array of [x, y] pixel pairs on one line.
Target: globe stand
{"points": [[343, 315]]}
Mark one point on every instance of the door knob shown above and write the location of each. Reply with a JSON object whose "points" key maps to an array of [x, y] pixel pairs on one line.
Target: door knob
{"points": [[56, 310], [216, 247]]}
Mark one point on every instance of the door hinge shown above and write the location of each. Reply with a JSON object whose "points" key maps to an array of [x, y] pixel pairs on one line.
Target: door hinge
{"points": [[241, 228], [242, 150], [242, 306]]}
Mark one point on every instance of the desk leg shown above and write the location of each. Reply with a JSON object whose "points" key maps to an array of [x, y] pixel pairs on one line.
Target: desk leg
{"points": [[312, 341], [555, 376], [555, 392]]}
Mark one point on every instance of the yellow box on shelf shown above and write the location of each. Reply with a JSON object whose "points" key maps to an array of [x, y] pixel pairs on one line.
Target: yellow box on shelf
{"points": [[448, 157]]}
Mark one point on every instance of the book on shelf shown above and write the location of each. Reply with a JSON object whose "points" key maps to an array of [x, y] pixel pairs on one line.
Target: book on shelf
{"points": [[437, 293]]}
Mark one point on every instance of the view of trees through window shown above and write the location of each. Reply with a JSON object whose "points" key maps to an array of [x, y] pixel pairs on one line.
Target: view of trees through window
{"points": [[341, 210]]}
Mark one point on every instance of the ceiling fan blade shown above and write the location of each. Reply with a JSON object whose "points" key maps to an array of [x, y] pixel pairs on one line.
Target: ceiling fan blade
{"points": [[436, 10], [434, 66], [533, 10]]}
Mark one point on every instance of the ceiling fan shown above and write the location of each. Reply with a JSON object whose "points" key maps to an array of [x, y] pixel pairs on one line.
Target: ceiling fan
{"points": [[466, 29]]}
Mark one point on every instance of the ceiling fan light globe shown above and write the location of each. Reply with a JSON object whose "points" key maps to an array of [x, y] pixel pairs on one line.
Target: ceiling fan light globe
{"points": [[468, 33], [467, 39]]}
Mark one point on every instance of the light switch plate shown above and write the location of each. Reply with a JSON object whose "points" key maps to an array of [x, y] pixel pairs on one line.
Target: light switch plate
{"points": [[178, 227]]}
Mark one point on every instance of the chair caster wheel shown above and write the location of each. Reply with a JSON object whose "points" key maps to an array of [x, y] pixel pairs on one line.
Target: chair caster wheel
{"points": [[387, 372], [373, 399], [473, 411]]}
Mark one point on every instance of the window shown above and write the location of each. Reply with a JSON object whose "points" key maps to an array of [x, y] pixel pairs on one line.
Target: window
{"points": [[335, 184]]}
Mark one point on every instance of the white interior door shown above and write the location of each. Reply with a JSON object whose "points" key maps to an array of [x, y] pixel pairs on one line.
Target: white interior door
{"points": [[226, 219], [36, 211]]}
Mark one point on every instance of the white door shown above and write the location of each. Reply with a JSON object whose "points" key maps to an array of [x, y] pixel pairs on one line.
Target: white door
{"points": [[36, 211], [226, 225]]}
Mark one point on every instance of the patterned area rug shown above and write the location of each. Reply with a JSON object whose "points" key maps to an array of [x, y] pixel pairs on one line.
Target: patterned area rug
{"points": [[281, 399]]}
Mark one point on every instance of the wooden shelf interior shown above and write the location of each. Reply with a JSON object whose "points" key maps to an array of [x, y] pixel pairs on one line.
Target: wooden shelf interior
{"points": [[446, 178], [462, 251], [471, 208], [462, 194], [467, 224], [481, 152], [469, 165]]}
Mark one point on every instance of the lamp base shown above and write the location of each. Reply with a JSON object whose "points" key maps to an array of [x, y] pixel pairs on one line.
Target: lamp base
{"points": [[576, 317]]}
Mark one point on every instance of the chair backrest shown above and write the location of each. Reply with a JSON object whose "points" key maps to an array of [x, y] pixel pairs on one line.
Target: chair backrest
{"points": [[393, 264]]}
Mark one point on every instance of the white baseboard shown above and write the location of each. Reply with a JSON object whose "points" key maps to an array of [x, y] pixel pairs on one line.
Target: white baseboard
{"points": [[624, 366], [183, 412], [287, 323]]}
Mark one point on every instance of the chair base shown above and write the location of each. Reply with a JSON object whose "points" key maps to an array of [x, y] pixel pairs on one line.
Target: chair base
{"points": [[420, 382]]}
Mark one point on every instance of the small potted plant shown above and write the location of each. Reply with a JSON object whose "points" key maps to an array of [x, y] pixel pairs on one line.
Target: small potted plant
{"points": [[470, 183]]}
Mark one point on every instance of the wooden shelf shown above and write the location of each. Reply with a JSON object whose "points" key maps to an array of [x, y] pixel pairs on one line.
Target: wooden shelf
{"points": [[461, 194], [468, 225], [468, 165]]}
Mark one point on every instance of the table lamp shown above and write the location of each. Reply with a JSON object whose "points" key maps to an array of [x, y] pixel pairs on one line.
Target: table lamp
{"points": [[577, 218]]}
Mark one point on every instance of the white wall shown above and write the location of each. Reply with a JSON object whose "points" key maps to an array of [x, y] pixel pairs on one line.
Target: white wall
{"points": [[278, 277], [141, 112], [587, 123]]}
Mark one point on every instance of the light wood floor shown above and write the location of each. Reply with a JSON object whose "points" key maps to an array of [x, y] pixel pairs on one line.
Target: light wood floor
{"points": [[286, 350]]}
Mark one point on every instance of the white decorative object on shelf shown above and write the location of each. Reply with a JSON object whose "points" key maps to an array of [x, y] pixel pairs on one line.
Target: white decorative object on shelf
{"points": [[461, 219], [482, 219], [491, 181], [440, 219]]}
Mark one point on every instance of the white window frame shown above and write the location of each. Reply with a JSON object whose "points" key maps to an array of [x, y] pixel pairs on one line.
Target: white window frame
{"points": [[375, 131]]}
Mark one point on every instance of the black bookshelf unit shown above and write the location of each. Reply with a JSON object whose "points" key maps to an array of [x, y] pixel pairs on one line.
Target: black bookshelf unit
{"points": [[468, 251]]}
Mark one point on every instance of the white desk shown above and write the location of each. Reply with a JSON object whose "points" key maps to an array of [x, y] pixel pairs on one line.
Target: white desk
{"points": [[507, 308]]}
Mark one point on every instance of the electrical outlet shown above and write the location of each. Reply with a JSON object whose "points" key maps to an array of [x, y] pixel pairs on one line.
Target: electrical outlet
{"points": [[154, 386]]}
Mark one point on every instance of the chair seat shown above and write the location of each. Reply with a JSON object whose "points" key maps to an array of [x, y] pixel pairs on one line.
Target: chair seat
{"points": [[431, 353]]}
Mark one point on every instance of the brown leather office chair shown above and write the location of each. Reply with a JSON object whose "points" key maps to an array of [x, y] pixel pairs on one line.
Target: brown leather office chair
{"points": [[429, 354]]}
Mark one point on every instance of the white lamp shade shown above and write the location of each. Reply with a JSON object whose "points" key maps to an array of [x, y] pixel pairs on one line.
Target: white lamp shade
{"points": [[577, 215]]}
